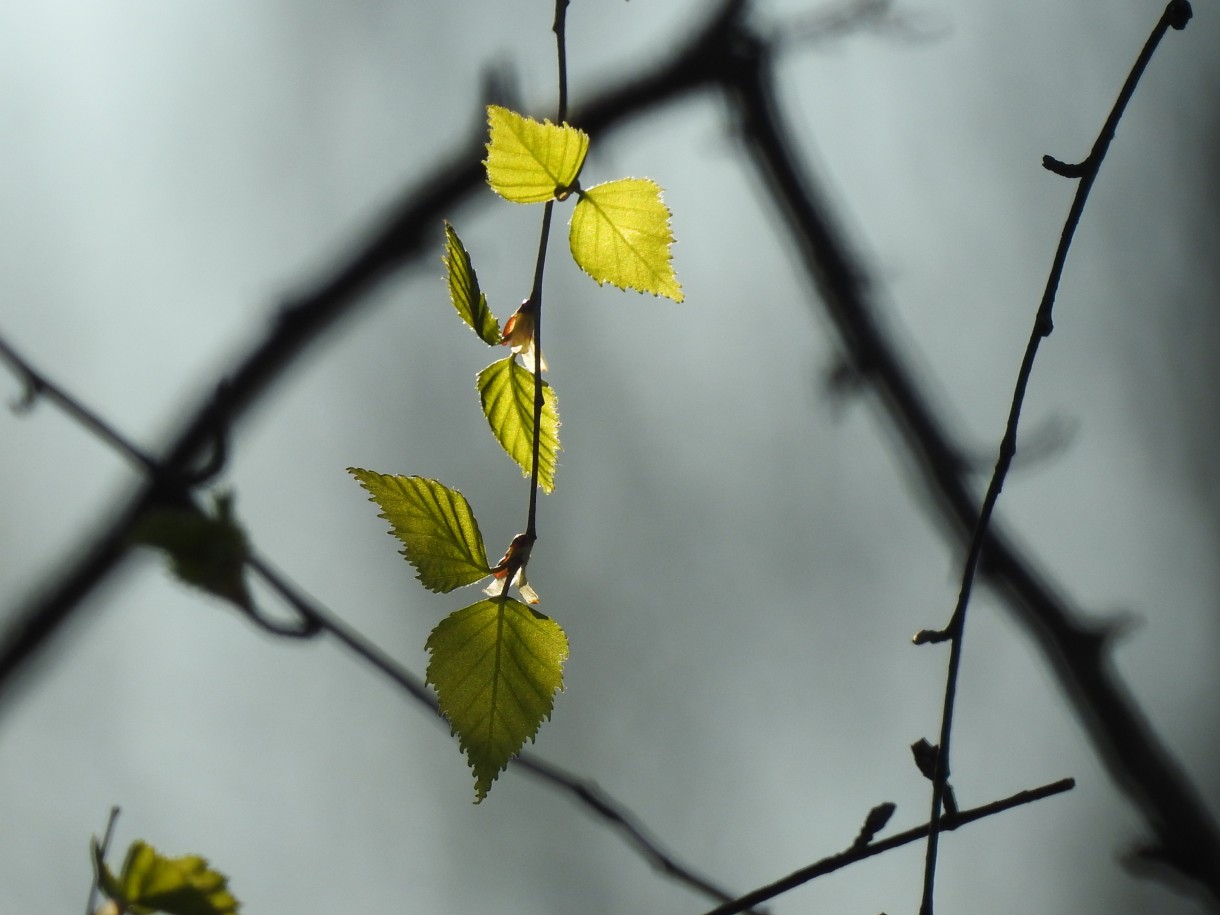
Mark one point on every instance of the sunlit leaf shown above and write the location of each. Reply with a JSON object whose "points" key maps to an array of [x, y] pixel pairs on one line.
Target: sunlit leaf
{"points": [[507, 391], [150, 882], [620, 235], [464, 292], [439, 533], [528, 160], [206, 551], [496, 666]]}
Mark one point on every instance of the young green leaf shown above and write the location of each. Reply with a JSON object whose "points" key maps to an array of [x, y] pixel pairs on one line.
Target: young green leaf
{"points": [[150, 882], [507, 391], [527, 160], [439, 533], [464, 292], [619, 234], [206, 551], [496, 666]]}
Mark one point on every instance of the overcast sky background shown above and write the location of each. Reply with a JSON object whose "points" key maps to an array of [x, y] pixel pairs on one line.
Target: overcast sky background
{"points": [[736, 555]]}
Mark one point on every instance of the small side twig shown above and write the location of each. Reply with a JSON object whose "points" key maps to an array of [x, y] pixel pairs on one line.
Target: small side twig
{"points": [[39, 385], [873, 824], [857, 853], [308, 624]]}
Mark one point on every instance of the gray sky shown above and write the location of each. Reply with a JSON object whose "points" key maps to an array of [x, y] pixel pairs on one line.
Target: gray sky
{"points": [[738, 559]]}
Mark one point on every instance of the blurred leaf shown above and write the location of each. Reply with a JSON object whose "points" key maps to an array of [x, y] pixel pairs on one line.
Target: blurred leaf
{"points": [[205, 551], [150, 882], [620, 235], [496, 666], [439, 533], [464, 292], [507, 391], [528, 160]]}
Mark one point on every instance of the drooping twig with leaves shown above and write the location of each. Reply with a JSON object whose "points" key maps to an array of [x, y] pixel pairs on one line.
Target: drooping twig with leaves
{"points": [[497, 663]]}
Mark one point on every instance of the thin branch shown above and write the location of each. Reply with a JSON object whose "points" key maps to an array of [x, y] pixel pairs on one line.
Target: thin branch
{"points": [[39, 385], [588, 794], [857, 853], [1132, 753], [535, 307], [309, 624], [535, 300], [1043, 325], [561, 49]]}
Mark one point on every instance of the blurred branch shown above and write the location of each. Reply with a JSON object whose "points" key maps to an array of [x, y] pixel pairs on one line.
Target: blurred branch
{"points": [[38, 386], [859, 852], [1132, 753]]}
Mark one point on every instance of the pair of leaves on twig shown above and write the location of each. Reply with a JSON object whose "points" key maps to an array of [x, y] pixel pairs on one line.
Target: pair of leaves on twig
{"points": [[506, 388], [150, 882], [496, 664], [619, 232]]}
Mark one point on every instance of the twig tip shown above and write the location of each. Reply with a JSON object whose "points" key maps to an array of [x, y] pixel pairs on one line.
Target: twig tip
{"points": [[930, 636], [1179, 14], [1065, 169]]}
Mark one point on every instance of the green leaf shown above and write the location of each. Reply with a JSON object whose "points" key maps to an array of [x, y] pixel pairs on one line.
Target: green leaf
{"points": [[620, 235], [206, 551], [527, 160], [496, 666], [150, 882], [464, 292], [507, 391], [439, 533]]}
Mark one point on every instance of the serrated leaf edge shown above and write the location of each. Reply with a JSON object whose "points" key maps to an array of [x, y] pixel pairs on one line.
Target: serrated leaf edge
{"points": [[480, 308], [546, 481], [568, 131], [478, 559], [483, 782], [661, 281]]}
